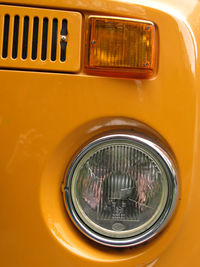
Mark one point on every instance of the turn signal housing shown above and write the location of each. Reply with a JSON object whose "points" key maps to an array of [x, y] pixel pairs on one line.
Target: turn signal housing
{"points": [[120, 47]]}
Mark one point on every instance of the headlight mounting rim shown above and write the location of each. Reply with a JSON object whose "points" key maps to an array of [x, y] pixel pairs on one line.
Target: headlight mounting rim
{"points": [[164, 218]]}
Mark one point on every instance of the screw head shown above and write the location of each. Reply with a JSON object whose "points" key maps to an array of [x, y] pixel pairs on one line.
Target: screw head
{"points": [[63, 37]]}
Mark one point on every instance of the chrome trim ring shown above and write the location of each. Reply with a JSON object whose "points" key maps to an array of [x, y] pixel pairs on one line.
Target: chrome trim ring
{"points": [[166, 163]]}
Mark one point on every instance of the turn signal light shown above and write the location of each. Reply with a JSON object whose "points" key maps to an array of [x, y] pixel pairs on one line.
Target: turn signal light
{"points": [[120, 47]]}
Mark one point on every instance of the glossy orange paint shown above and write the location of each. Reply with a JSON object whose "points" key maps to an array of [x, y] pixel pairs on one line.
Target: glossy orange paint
{"points": [[46, 117]]}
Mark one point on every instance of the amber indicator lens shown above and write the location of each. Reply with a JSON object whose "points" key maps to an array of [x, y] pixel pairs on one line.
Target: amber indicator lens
{"points": [[120, 47], [119, 189]]}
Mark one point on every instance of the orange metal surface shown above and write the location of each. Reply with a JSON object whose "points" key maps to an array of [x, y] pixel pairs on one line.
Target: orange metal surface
{"points": [[46, 117]]}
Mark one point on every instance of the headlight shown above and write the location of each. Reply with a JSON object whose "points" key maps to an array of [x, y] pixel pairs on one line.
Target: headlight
{"points": [[121, 190]]}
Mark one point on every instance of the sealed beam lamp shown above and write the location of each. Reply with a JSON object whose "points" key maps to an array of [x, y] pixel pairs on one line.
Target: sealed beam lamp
{"points": [[120, 190]]}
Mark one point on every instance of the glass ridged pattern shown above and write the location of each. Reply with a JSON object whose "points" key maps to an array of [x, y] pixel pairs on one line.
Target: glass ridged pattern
{"points": [[118, 43], [119, 189]]}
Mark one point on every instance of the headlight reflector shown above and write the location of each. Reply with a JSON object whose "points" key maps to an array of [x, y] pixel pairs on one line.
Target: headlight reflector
{"points": [[120, 190]]}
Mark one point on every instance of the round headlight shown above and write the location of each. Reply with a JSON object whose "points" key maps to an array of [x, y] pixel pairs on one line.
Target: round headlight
{"points": [[121, 189]]}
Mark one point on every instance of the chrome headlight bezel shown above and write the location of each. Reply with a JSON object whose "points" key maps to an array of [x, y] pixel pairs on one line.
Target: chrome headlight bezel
{"points": [[167, 164]]}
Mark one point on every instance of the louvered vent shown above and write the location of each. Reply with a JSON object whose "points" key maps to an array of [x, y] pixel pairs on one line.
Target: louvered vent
{"points": [[35, 38]]}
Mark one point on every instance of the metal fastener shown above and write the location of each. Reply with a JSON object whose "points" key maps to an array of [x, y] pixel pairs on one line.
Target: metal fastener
{"points": [[63, 38]]}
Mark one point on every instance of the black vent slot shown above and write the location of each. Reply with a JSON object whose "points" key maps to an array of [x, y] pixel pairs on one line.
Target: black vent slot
{"points": [[54, 39], [25, 37], [44, 39], [63, 42], [35, 37], [5, 36], [64, 27], [15, 37]]}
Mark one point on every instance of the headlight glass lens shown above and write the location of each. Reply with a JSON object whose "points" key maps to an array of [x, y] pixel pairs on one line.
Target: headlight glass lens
{"points": [[118, 187]]}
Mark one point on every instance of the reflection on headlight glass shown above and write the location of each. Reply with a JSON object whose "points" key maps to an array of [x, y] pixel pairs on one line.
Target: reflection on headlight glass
{"points": [[119, 190]]}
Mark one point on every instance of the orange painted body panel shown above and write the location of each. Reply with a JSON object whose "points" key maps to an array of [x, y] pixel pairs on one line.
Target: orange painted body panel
{"points": [[46, 117]]}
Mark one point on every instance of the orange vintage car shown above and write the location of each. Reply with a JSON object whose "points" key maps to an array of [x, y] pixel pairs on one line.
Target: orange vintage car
{"points": [[99, 133]]}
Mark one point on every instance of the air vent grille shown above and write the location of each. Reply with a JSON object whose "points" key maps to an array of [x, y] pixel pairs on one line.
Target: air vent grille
{"points": [[35, 38]]}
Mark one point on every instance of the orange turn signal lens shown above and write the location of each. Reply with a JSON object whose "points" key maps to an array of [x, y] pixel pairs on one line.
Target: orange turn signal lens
{"points": [[120, 47]]}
